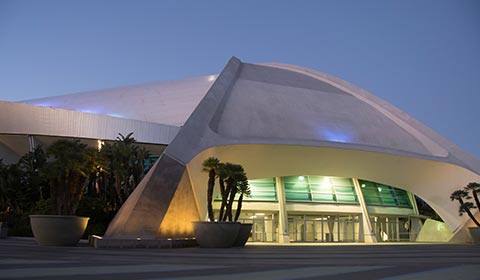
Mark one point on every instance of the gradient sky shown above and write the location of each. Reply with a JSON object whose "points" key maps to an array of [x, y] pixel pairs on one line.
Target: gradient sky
{"points": [[421, 56]]}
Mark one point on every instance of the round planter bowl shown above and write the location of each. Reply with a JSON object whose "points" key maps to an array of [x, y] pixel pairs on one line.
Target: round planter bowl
{"points": [[243, 235], [475, 233], [56, 230], [216, 234]]}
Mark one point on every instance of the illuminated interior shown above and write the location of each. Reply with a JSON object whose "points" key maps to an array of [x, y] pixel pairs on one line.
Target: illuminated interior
{"points": [[328, 209]]}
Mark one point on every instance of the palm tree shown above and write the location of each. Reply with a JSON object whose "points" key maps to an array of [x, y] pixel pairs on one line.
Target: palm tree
{"points": [[243, 189], [32, 180], [221, 182], [475, 188], [465, 207], [232, 179], [224, 170], [234, 173], [125, 165], [69, 166], [10, 199], [210, 165]]}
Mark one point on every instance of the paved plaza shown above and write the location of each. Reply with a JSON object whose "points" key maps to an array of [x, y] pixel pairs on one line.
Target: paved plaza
{"points": [[21, 258]]}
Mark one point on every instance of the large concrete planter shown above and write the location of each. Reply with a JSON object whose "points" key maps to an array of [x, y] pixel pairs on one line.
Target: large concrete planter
{"points": [[475, 233], [3, 230], [243, 235], [216, 234], [56, 230]]}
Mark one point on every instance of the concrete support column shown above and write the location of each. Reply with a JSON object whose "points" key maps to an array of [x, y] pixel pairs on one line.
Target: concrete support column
{"points": [[366, 231], [411, 196], [283, 236]]}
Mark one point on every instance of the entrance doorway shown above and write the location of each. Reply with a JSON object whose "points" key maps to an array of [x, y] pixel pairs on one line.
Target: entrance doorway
{"points": [[324, 228], [264, 226], [393, 228]]}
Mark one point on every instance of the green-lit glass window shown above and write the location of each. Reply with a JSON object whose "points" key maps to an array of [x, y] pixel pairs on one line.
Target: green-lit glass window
{"points": [[296, 188], [320, 189], [323, 197], [262, 189], [402, 198], [341, 181], [370, 193], [347, 198], [380, 194]]}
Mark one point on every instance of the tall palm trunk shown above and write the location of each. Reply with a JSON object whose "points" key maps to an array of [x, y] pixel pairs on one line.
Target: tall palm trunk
{"points": [[224, 207], [239, 207], [475, 197], [224, 198], [211, 185], [469, 213], [233, 192]]}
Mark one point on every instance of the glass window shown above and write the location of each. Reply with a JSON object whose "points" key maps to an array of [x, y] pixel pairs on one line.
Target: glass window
{"points": [[297, 188], [323, 197], [297, 196], [347, 198], [262, 189], [384, 195], [320, 189]]}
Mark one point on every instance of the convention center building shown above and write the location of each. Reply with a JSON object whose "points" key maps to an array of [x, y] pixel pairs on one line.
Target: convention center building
{"points": [[326, 160]]}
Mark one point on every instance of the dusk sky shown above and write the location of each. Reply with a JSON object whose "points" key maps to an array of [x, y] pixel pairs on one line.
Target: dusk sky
{"points": [[421, 56]]}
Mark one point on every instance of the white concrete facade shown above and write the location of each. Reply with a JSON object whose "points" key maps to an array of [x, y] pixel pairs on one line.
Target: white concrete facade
{"points": [[274, 119], [279, 120]]}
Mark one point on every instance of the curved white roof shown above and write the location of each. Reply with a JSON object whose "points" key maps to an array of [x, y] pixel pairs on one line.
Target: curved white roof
{"points": [[168, 102], [275, 103], [279, 120]]}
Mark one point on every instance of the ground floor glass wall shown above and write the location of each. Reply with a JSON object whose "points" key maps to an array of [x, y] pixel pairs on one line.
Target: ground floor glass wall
{"points": [[304, 228], [323, 228], [264, 226], [314, 192], [395, 228]]}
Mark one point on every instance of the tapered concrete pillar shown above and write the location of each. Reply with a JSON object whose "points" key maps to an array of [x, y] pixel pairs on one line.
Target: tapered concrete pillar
{"points": [[366, 231], [411, 196], [283, 236]]}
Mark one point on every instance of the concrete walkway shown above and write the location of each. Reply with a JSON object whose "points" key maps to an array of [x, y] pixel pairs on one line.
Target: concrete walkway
{"points": [[21, 258]]}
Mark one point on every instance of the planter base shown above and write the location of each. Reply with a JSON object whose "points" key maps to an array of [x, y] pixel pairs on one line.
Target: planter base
{"points": [[55, 230], [243, 235], [216, 234], [475, 234], [3, 230]]}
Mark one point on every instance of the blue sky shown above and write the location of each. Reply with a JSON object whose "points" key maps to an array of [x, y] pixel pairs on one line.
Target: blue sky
{"points": [[421, 56]]}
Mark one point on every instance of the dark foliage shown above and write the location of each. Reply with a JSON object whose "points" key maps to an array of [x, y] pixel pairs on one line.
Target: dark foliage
{"points": [[70, 178]]}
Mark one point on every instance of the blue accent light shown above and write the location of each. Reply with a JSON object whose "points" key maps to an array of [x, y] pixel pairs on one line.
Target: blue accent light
{"points": [[116, 116], [90, 111], [43, 104], [336, 135]]}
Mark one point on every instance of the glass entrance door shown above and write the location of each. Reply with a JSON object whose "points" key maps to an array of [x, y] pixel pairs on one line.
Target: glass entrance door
{"points": [[327, 228], [264, 226]]}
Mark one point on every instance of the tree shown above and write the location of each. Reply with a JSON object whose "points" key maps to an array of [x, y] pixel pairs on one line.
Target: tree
{"points": [[232, 173], [243, 189], [10, 191], [465, 206], [210, 165], [124, 164], [475, 188], [69, 165], [232, 180], [31, 178], [21, 183], [220, 171]]}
